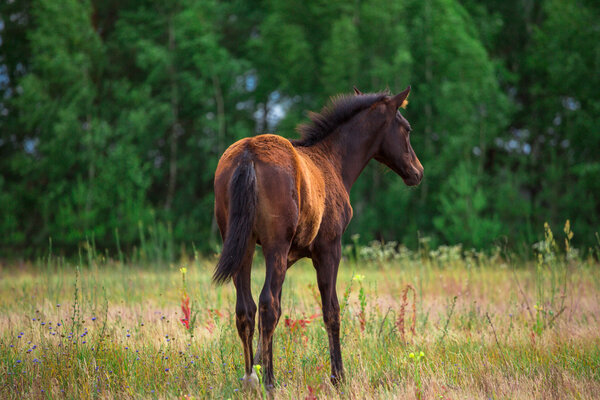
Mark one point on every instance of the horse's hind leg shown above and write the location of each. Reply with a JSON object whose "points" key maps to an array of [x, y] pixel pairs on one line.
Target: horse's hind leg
{"points": [[269, 307], [257, 355], [245, 312]]}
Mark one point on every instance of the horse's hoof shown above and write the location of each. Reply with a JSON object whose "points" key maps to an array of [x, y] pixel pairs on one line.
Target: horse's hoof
{"points": [[337, 380], [251, 381]]}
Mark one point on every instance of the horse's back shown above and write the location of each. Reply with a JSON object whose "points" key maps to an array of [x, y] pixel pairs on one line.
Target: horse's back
{"points": [[290, 190], [267, 149]]}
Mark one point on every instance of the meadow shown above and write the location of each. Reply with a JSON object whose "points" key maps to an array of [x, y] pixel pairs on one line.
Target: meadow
{"points": [[444, 323]]}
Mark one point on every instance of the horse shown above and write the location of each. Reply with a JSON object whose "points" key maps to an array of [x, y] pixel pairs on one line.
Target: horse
{"points": [[292, 198]]}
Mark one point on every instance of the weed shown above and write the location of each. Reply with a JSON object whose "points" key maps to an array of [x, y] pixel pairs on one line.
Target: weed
{"points": [[134, 345], [416, 360], [261, 383], [401, 315], [448, 318], [296, 326], [551, 278], [362, 298], [188, 320]]}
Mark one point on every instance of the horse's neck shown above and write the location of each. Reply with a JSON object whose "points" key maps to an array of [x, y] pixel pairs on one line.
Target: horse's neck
{"points": [[349, 151]]}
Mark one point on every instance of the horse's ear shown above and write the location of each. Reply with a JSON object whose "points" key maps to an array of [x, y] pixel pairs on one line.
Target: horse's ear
{"points": [[356, 91], [400, 100]]}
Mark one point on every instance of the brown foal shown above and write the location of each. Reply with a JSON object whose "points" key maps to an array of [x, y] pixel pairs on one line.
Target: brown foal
{"points": [[292, 198]]}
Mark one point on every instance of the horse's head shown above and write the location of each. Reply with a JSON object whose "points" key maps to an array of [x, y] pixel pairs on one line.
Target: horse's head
{"points": [[394, 148]]}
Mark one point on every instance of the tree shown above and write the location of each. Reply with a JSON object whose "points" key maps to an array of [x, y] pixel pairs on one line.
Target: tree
{"points": [[566, 105], [71, 158], [184, 85]]}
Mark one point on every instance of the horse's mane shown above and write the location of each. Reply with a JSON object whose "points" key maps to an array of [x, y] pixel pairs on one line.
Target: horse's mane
{"points": [[339, 110]]}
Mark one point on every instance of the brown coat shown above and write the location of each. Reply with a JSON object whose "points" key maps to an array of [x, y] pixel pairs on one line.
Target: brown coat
{"points": [[292, 198]]}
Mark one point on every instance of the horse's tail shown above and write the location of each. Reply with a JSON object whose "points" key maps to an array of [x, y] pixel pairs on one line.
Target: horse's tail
{"points": [[242, 211]]}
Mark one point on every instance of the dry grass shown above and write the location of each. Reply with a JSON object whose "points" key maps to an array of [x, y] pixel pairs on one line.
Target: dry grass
{"points": [[478, 325]]}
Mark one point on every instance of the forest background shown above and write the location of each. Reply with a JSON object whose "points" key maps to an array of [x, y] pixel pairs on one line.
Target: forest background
{"points": [[113, 115]]}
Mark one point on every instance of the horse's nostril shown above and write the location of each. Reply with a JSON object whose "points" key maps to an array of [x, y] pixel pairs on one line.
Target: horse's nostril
{"points": [[418, 175]]}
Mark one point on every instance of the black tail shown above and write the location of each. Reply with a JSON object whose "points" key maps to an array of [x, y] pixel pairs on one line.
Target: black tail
{"points": [[242, 209]]}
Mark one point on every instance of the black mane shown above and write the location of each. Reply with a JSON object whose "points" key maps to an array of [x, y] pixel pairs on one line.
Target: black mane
{"points": [[339, 110]]}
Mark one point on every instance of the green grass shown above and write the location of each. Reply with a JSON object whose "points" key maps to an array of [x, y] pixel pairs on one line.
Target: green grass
{"points": [[487, 328]]}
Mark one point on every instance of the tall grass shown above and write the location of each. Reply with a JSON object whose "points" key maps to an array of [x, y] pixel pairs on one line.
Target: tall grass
{"points": [[108, 329]]}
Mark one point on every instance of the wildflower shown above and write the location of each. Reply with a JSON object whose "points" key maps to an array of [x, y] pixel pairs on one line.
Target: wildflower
{"points": [[411, 355], [183, 270], [185, 308], [358, 277]]}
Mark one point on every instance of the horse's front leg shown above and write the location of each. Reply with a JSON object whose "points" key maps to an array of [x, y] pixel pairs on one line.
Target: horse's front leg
{"points": [[326, 260]]}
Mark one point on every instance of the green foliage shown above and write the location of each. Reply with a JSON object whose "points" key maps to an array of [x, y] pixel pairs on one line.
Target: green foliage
{"points": [[465, 215], [113, 115], [341, 57], [72, 157]]}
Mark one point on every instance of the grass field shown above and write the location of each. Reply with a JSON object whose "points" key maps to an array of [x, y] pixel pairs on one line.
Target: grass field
{"points": [[484, 327]]}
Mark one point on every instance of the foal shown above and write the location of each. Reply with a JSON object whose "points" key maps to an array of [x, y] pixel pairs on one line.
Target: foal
{"points": [[292, 198]]}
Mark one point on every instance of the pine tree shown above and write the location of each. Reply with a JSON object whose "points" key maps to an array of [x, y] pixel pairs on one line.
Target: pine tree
{"points": [[72, 157]]}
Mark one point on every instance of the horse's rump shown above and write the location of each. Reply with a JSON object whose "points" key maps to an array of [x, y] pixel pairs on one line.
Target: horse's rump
{"points": [[265, 181]]}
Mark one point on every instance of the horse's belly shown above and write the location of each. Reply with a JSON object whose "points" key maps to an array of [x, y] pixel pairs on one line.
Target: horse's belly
{"points": [[311, 192], [308, 228]]}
